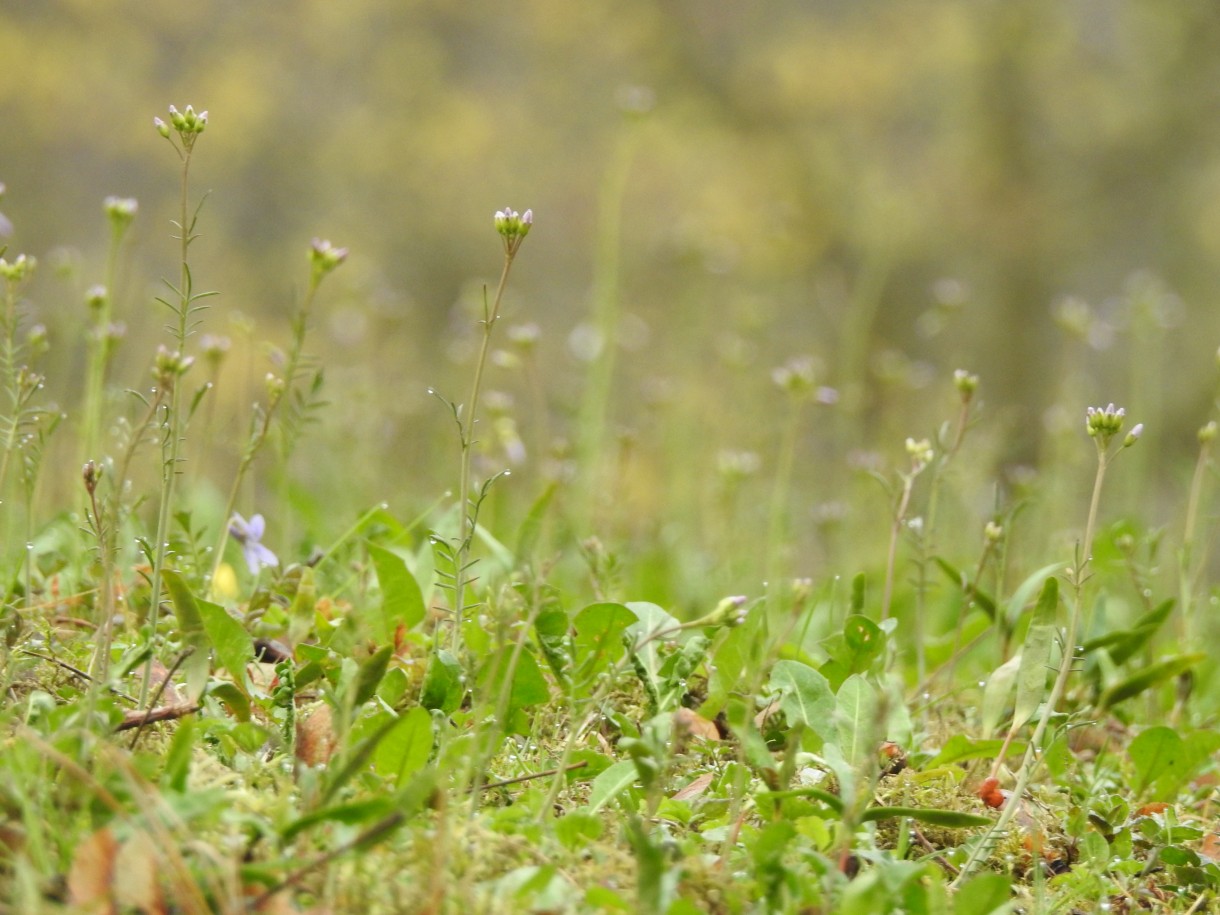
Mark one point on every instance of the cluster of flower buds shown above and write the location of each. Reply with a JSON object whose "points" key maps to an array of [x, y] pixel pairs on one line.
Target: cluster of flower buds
{"points": [[513, 227], [121, 211], [18, 270], [324, 257], [170, 365], [1105, 423], [730, 612], [1208, 433], [966, 384], [187, 124], [921, 453]]}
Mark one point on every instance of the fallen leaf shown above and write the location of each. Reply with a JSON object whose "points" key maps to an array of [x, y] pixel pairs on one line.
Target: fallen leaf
{"points": [[135, 884], [695, 788], [694, 724], [92, 871], [316, 737]]}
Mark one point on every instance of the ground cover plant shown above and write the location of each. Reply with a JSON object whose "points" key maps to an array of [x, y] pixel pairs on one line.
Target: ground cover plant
{"points": [[476, 708]]}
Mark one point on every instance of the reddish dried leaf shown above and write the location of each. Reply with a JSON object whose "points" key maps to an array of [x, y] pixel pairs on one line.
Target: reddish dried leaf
{"points": [[316, 737], [695, 788], [135, 884], [694, 724], [92, 871]]}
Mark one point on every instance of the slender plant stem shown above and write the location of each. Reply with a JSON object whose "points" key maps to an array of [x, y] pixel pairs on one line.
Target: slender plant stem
{"points": [[172, 444], [466, 518]]}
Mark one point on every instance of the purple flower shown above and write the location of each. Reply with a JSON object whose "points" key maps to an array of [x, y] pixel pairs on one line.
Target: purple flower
{"points": [[249, 534]]}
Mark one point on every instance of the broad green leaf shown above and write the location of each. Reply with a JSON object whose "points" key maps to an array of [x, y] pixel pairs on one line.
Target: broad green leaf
{"points": [[953, 819], [599, 637], [235, 699], [402, 601], [1155, 753], [528, 686], [610, 783], [405, 749], [805, 697], [997, 694], [1147, 678], [195, 669], [551, 629], [234, 647], [1036, 655], [653, 628], [858, 719], [865, 642], [986, 894], [443, 688]]}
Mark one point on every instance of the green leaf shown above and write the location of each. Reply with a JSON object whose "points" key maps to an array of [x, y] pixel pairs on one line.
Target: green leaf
{"points": [[1156, 752], [953, 819], [234, 647], [531, 527], [599, 637], [610, 783], [986, 894], [980, 599], [195, 669], [1124, 643], [997, 694], [178, 759], [442, 689], [402, 601], [857, 593], [1036, 655], [551, 630], [369, 676], [859, 719], [235, 699], [406, 747], [528, 686], [1146, 678], [1025, 591], [805, 697], [352, 814], [960, 748]]}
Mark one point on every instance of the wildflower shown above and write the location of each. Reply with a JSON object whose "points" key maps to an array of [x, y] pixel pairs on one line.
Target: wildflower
{"points": [[513, 227], [250, 534], [921, 453], [324, 257], [965, 384], [1105, 423], [120, 211]]}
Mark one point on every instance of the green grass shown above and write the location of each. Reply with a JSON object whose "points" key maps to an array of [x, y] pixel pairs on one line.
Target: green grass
{"points": [[481, 705]]}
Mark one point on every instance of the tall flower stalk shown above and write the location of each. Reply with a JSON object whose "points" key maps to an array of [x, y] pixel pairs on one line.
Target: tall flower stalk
{"points": [[1104, 425], [171, 365], [120, 213], [512, 227]]}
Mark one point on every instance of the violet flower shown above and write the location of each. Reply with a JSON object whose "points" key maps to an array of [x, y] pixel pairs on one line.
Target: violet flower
{"points": [[250, 534]]}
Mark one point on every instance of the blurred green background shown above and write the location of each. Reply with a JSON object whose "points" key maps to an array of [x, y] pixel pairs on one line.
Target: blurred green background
{"points": [[1028, 190]]}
